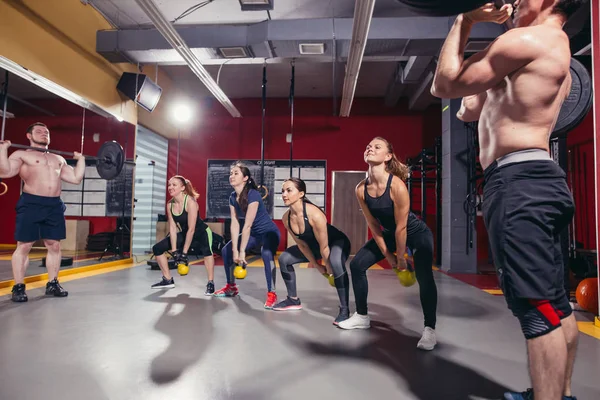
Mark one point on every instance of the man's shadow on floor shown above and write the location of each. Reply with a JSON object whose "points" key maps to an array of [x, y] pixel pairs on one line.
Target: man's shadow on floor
{"points": [[190, 332], [427, 374]]}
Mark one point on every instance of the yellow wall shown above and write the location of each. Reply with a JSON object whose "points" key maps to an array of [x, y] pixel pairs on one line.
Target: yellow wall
{"points": [[57, 40]]}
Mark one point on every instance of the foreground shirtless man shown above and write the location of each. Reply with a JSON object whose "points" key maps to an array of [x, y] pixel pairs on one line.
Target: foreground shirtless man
{"points": [[40, 211], [515, 88]]}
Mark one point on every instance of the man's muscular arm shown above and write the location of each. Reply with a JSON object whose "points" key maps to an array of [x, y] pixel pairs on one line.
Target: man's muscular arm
{"points": [[9, 166], [456, 77], [74, 175], [471, 107]]}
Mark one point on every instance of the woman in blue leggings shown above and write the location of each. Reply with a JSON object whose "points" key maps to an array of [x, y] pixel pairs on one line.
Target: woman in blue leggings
{"points": [[246, 204]]}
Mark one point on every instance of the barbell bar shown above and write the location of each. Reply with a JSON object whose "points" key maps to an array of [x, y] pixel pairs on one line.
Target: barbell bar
{"points": [[110, 158]]}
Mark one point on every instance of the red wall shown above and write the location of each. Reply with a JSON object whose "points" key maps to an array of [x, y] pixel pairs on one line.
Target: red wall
{"points": [[581, 151], [65, 135], [317, 135]]}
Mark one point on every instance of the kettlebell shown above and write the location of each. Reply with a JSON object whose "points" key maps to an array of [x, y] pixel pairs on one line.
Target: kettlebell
{"points": [[406, 277], [330, 278], [183, 269], [240, 272]]}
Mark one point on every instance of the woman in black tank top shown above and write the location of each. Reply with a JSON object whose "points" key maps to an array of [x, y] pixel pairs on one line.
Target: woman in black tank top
{"points": [[385, 203], [316, 239], [186, 230]]}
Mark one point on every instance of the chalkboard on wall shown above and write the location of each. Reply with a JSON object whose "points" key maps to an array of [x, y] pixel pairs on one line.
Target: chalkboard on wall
{"points": [[218, 188]]}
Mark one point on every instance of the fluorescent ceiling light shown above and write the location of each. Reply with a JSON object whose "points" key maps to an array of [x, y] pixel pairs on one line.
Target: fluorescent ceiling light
{"points": [[172, 36]]}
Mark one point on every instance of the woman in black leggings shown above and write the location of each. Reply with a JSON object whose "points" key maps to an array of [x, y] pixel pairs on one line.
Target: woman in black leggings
{"points": [[316, 239], [385, 202]]}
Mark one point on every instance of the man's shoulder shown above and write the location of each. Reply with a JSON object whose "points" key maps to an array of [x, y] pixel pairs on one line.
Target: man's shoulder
{"points": [[17, 154], [539, 38]]}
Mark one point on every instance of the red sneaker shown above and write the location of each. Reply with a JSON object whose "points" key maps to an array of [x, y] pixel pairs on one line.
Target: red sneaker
{"points": [[227, 291], [271, 300]]}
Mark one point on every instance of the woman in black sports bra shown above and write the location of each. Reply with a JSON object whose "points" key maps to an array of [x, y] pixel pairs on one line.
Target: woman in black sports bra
{"points": [[316, 239], [385, 202], [186, 230]]}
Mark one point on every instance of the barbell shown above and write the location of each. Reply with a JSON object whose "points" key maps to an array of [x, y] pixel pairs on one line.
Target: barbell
{"points": [[110, 158]]}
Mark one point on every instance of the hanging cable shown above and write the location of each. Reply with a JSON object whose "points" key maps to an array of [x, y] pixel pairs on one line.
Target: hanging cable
{"points": [[192, 9], [262, 141], [291, 101]]}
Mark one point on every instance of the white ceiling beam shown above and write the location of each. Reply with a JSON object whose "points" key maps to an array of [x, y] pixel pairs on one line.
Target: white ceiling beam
{"points": [[167, 30], [363, 14]]}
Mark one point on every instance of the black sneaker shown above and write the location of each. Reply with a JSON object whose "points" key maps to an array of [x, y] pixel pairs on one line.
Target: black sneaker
{"points": [[53, 288], [342, 316], [18, 293], [210, 288], [288, 304], [164, 284], [528, 395]]}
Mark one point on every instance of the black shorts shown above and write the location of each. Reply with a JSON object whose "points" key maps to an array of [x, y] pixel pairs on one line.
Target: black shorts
{"points": [[40, 217], [526, 206], [201, 243]]}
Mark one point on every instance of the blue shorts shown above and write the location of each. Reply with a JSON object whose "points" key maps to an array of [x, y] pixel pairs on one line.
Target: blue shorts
{"points": [[40, 217]]}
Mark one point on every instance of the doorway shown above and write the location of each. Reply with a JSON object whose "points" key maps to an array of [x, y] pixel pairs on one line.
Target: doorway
{"points": [[346, 214]]}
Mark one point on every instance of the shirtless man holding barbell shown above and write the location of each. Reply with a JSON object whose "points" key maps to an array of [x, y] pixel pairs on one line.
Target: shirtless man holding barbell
{"points": [[40, 210]]}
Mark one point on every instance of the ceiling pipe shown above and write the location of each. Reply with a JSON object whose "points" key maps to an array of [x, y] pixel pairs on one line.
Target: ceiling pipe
{"points": [[167, 30]]}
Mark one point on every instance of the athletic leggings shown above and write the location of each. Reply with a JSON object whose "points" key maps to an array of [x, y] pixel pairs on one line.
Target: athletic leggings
{"points": [[421, 245], [269, 242], [339, 249]]}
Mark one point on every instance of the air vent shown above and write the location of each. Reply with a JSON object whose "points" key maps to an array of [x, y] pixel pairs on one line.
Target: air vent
{"points": [[312, 48], [233, 52], [256, 5], [476, 46]]}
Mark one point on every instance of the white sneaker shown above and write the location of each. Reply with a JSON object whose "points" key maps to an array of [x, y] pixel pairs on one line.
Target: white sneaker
{"points": [[356, 321], [428, 340]]}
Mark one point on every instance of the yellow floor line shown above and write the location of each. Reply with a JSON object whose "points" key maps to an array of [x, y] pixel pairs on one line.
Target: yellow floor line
{"points": [[589, 328], [115, 266], [493, 291], [31, 259], [66, 272], [597, 322]]}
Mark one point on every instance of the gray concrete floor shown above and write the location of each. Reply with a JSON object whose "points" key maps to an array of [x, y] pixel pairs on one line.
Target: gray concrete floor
{"points": [[114, 338]]}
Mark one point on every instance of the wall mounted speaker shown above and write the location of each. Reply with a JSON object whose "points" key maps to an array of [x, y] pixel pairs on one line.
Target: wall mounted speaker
{"points": [[141, 89]]}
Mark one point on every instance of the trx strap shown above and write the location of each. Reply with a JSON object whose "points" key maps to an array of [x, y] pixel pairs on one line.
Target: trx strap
{"points": [[291, 101], [262, 141]]}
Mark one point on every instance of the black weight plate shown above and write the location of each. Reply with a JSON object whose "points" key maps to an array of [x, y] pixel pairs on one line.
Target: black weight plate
{"points": [[441, 8], [578, 103], [111, 158]]}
